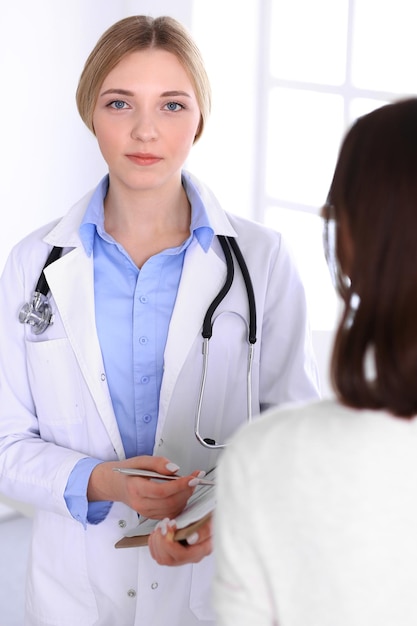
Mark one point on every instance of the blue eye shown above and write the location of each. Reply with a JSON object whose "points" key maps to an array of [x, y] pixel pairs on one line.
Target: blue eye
{"points": [[174, 106], [117, 104]]}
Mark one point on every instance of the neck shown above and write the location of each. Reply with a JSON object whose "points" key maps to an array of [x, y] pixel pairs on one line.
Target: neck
{"points": [[163, 207], [148, 221]]}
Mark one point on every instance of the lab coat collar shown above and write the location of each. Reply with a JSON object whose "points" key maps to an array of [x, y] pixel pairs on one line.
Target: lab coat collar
{"points": [[196, 292], [217, 217], [74, 273], [66, 232]]}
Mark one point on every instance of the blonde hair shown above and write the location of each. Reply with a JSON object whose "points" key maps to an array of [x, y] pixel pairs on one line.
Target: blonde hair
{"points": [[132, 34]]}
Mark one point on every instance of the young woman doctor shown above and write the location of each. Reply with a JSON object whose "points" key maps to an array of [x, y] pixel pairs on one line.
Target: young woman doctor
{"points": [[114, 381]]}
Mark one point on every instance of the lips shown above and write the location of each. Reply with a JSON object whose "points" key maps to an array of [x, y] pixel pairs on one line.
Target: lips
{"points": [[144, 158]]}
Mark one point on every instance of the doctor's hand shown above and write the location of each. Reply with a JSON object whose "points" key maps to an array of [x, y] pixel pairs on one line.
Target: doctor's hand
{"points": [[166, 551], [148, 497]]}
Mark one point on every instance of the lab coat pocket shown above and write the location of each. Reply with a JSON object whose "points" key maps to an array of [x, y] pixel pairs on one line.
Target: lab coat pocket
{"points": [[55, 381]]}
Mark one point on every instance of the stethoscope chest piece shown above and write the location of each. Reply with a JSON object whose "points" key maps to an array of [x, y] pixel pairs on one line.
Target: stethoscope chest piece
{"points": [[37, 313]]}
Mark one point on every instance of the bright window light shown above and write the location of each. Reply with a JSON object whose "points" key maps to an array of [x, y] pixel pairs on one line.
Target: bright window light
{"points": [[318, 67], [305, 53], [303, 134], [304, 234]]}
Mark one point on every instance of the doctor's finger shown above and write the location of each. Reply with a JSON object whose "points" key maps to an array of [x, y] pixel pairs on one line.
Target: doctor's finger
{"points": [[203, 532], [165, 551], [159, 464], [165, 495], [159, 507], [155, 488]]}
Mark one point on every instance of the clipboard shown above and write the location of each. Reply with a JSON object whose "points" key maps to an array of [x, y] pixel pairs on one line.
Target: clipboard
{"points": [[181, 534]]}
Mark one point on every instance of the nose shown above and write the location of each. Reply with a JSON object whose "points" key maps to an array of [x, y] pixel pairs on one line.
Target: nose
{"points": [[144, 127]]}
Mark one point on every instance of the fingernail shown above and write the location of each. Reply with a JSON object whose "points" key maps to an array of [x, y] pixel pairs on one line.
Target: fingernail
{"points": [[172, 522], [162, 525], [192, 539], [201, 474], [172, 467], [193, 482]]}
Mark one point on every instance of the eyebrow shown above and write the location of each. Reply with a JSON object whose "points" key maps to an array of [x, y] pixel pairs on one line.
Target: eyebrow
{"points": [[125, 92]]}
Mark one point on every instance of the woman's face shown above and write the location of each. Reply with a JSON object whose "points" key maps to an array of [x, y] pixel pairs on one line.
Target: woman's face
{"points": [[145, 119]]}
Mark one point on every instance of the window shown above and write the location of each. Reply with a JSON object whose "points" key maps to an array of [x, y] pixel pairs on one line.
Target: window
{"points": [[317, 67], [325, 63]]}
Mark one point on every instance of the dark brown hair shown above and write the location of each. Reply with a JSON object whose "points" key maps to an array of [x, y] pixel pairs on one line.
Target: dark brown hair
{"points": [[373, 202]]}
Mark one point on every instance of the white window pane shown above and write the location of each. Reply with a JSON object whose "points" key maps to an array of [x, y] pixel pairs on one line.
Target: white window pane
{"points": [[304, 233], [385, 45], [308, 40], [304, 133]]}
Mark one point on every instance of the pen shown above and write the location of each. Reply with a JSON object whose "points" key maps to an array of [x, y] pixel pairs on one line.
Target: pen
{"points": [[150, 474]]}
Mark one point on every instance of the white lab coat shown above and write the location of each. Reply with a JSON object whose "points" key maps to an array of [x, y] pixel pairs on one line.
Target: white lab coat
{"points": [[55, 409]]}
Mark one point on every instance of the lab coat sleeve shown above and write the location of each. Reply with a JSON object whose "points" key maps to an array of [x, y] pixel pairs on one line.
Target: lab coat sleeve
{"points": [[32, 470], [240, 591], [288, 369]]}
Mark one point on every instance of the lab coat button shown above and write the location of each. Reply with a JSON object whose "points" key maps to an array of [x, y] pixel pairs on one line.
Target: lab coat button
{"points": [[131, 593], [103, 376], [122, 523], [154, 586]]}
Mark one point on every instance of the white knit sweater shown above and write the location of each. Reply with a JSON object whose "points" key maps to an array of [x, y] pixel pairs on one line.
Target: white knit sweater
{"points": [[316, 522]]}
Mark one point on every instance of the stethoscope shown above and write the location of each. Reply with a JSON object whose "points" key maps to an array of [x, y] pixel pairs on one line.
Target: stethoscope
{"points": [[228, 244], [38, 314]]}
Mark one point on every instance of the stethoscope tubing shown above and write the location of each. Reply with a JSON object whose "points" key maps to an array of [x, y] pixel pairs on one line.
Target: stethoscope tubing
{"points": [[228, 244], [42, 284]]}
